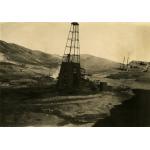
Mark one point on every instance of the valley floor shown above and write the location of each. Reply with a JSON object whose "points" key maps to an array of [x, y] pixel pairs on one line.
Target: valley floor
{"points": [[40, 107], [131, 79], [60, 110]]}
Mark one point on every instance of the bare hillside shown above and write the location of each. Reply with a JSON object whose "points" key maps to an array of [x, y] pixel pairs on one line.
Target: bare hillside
{"points": [[20, 63], [96, 64]]}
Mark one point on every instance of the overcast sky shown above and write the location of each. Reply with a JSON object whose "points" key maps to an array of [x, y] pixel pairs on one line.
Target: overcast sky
{"points": [[107, 40]]}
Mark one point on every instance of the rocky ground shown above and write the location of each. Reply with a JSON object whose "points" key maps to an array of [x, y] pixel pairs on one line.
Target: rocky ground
{"points": [[40, 107], [61, 110]]}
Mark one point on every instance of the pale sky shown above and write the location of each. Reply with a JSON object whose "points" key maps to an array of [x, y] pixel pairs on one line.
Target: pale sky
{"points": [[107, 40]]}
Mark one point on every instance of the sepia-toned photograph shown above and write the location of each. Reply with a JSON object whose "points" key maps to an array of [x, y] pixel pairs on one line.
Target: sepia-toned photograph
{"points": [[74, 74]]}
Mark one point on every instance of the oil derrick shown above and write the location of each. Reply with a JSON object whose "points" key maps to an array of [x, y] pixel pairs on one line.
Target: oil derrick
{"points": [[70, 73]]}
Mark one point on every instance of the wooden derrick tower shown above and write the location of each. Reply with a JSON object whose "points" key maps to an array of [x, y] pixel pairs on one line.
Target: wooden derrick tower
{"points": [[70, 74]]}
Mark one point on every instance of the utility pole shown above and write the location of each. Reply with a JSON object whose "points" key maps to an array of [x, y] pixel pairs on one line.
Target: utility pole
{"points": [[123, 65], [127, 63]]}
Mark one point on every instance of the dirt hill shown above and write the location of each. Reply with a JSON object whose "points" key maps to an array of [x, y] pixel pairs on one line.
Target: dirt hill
{"points": [[20, 63]]}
